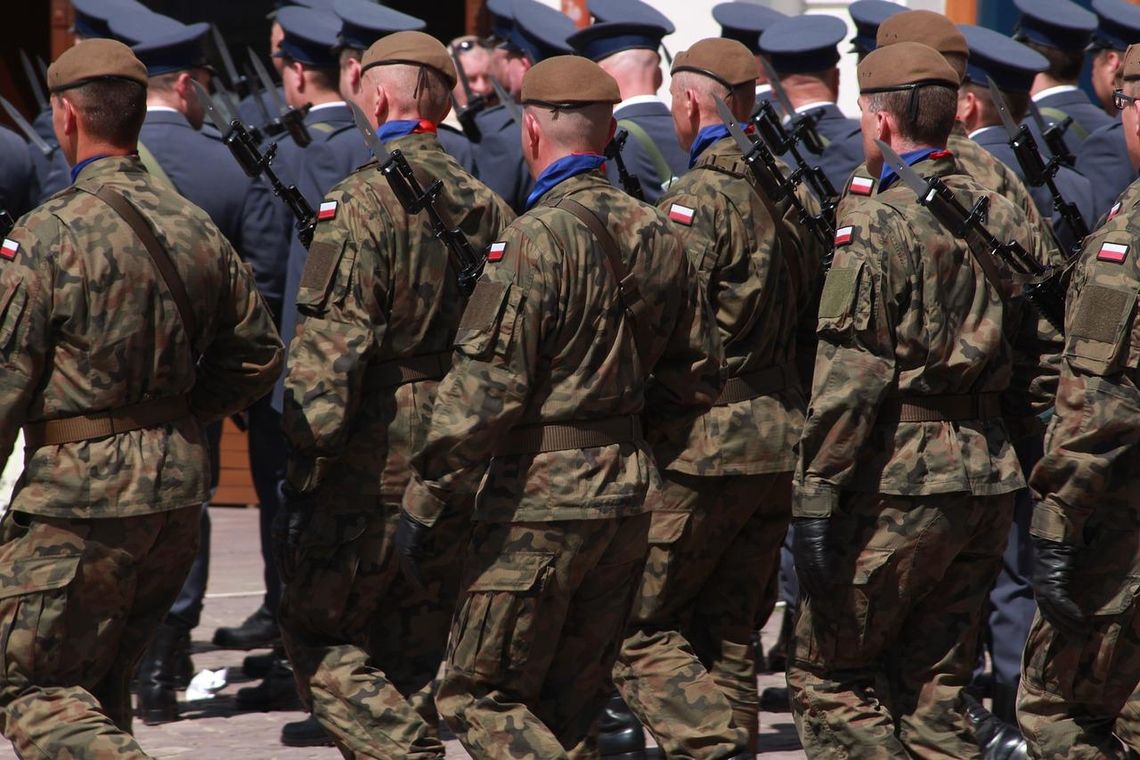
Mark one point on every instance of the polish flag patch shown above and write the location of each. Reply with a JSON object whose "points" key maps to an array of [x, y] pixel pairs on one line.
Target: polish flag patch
{"points": [[495, 251], [682, 214], [326, 211], [1114, 252], [843, 235], [1115, 210], [9, 248], [862, 185]]}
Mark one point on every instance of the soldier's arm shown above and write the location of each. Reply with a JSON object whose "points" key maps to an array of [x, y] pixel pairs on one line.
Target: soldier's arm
{"points": [[485, 393], [855, 362], [340, 324]]}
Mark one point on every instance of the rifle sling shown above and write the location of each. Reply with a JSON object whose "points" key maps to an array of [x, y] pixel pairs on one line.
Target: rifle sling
{"points": [[660, 165]]}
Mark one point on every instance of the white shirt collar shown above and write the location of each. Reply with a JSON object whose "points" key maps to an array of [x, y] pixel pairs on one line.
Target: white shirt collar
{"points": [[162, 109], [1053, 91], [638, 100], [332, 104], [973, 135], [815, 104], [763, 89]]}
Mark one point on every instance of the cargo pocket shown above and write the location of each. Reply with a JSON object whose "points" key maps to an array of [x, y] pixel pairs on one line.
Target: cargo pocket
{"points": [[496, 626], [867, 595], [667, 527], [489, 319], [1099, 334], [33, 603], [328, 561], [1111, 619]]}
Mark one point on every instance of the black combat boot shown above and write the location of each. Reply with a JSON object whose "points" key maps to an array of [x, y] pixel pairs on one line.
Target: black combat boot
{"points": [[997, 739], [305, 733], [157, 689], [620, 735], [277, 691], [257, 631]]}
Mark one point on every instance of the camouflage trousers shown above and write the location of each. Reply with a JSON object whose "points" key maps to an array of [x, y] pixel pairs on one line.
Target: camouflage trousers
{"points": [[687, 666], [1078, 694], [365, 644], [535, 636], [880, 662], [79, 600]]}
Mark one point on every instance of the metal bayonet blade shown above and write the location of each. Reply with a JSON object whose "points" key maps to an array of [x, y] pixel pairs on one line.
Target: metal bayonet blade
{"points": [[227, 59], [508, 102], [267, 82], [459, 72], [1038, 118], [212, 112], [778, 88], [907, 174], [370, 139], [742, 140], [258, 99], [33, 136], [33, 81], [1003, 108]]}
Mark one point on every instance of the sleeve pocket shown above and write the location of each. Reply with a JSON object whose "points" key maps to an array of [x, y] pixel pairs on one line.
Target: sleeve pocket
{"points": [[845, 300], [316, 280], [490, 313], [1101, 330]]}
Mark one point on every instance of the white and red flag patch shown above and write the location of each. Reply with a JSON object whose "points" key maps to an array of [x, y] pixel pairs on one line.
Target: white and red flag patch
{"points": [[326, 211], [495, 251], [1114, 252], [862, 185], [9, 248], [1115, 210], [843, 235], [682, 214]]}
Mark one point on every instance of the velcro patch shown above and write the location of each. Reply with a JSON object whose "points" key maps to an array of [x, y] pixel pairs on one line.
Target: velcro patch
{"points": [[843, 235], [495, 251], [1114, 252], [862, 185], [327, 211], [682, 214], [1114, 210], [9, 248]]}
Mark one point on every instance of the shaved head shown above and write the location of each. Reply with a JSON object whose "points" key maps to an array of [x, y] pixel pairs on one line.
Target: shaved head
{"points": [[410, 90], [584, 129]]}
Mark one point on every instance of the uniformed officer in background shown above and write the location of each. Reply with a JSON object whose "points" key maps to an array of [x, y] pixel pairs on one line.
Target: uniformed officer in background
{"points": [[867, 15], [745, 22], [104, 522]]}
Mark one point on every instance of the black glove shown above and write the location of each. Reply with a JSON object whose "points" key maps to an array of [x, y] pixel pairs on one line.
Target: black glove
{"points": [[1053, 564], [813, 559], [289, 525], [410, 539]]}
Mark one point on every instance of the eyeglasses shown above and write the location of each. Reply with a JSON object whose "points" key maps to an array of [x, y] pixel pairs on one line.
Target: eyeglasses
{"points": [[470, 42], [1122, 101]]}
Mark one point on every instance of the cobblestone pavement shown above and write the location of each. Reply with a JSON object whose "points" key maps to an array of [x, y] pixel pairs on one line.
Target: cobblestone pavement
{"points": [[216, 729]]}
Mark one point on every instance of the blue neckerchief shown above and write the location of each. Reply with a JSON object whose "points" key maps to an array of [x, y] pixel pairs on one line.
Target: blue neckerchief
{"points": [[400, 127], [888, 175], [562, 170], [706, 137], [83, 164]]}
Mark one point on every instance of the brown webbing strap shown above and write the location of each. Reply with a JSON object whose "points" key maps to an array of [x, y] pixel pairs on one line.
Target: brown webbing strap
{"points": [[87, 427], [752, 385], [158, 255], [412, 369], [946, 408], [543, 438]]}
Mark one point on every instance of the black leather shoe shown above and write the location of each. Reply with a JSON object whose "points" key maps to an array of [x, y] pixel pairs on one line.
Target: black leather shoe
{"points": [[157, 692], [258, 631], [620, 735], [775, 699], [305, 733], [997, 739], [259, 665], [277, 691]]}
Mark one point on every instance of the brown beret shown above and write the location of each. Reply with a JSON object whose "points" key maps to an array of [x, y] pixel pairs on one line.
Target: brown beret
{"points": [[412, 49], [903, 66], [929, 28], [1130, 68], [568, 80], [727, 61], [95, 59]]}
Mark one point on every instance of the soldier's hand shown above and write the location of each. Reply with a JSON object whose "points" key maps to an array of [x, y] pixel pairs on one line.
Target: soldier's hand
{"points": [[289, 526], [1053, 566], [812, 555], [410, 539]]}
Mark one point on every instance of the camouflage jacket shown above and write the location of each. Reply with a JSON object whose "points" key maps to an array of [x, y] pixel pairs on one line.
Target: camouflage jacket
{"points": [[751, 269], [378, 289], [906, 313], [1089, 470], [545, 339], [87, 325]]}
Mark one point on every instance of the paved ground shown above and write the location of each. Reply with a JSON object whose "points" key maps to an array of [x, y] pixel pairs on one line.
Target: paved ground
{"points": [[215, 729]]}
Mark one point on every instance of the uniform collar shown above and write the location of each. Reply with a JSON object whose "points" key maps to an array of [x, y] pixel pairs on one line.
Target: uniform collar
{"points": [[706, 137], [1050, 91], [888, 175], [100, 165], [562, 170]]}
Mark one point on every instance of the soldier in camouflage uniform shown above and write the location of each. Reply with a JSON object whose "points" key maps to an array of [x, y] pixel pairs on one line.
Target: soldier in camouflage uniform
{"points": [[378, 306], [588, 317], [112, 369], [1082, 660], [687, 665], [903, 492]]}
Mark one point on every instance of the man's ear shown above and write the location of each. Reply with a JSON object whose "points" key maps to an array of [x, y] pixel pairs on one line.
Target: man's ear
{"points": [[70, 117], [613, 130], [380, 111], [532, 131], [884, 126], [183, 88]]}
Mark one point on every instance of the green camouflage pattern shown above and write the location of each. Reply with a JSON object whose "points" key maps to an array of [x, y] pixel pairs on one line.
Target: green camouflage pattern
{"points": [[687, 665], [377, 287], [536, 634], [881, 659], [79, 598], [87, 325], [906, 311], [753, 270], [546, 340]]}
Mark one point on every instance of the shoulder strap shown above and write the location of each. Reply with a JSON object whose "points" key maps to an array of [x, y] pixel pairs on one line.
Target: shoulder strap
{"points": [[628, 291], [660, 165], [154, 168], [1057, 115], [158, 255]]}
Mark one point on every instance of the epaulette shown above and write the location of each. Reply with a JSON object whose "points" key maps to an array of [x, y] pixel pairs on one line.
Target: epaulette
{"points": [[731, 165]]}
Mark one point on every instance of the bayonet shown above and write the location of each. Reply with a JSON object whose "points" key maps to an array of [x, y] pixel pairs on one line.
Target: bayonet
{"points": [[1054, 135], [803, 125], [270, 126], [508, 102], [33, 81], [41, 64], [476, 104], [292, 119], [1039, 283], [30, 133], [629, 183], [238, 83]]}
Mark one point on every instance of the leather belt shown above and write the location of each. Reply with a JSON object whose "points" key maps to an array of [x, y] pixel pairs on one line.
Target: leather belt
{"points": [[88, 427], [947, 408], [562, 436], [752, 385], [412, 369]]}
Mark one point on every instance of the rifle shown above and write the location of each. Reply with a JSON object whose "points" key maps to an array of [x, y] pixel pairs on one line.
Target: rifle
{"points": [[415, 198], [629, 183], [6, 222], [1054, 135], [1037, 171], [255, 163], [476, 104], [766, 169], [1041, 283], [34, 81], [508, 102], [291, 120]]}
